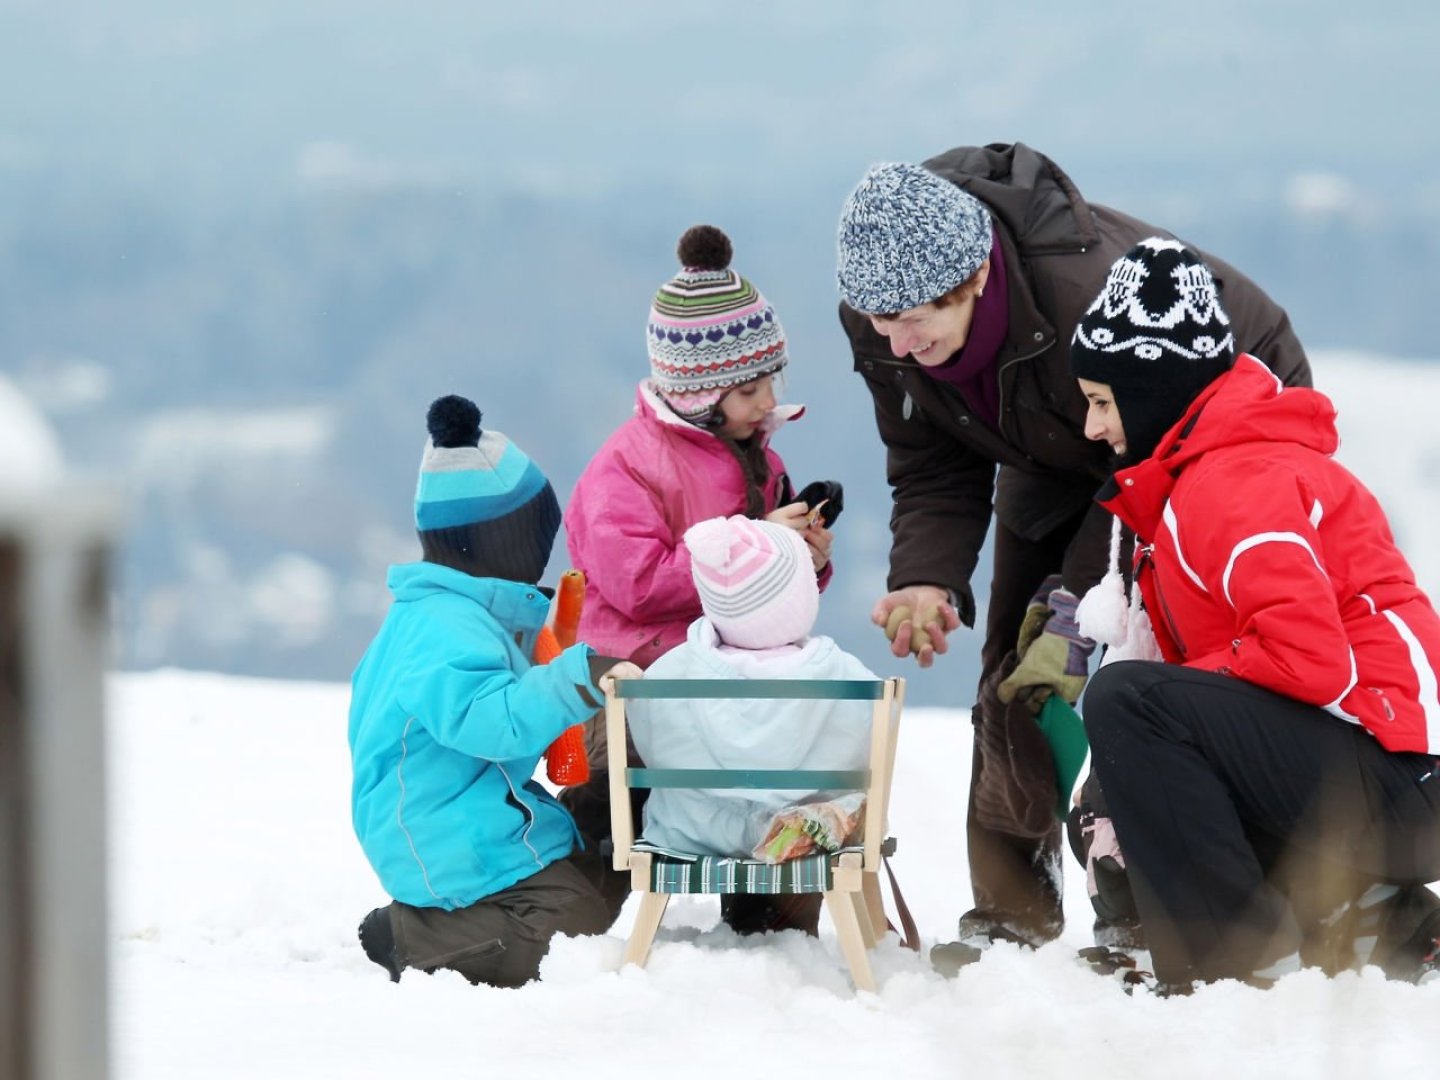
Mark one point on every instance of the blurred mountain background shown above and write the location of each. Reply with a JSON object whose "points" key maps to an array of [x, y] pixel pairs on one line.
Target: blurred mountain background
{"points": [[243, 246]]}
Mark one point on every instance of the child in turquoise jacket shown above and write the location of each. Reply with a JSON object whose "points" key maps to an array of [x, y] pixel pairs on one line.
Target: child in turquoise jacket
{"points": [[448, 719]]}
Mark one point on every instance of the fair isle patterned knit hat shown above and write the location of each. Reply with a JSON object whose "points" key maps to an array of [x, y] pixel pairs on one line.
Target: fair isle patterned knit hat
{"points": [[1157, 335], [755, 579], [709, 329], [907, 237], [481, 505]]}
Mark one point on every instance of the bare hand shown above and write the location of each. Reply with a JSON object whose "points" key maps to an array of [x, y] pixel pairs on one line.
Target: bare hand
{"points": [[791, 515], [819, 540], [917, 619]]}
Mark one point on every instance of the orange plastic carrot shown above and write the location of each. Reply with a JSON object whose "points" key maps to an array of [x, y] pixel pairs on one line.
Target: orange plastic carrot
{"points": [[547, 646], [569, 599], [566, 762]]}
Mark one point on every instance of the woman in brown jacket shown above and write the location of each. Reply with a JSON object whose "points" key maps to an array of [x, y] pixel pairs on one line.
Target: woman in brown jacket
{"points": [[962, 281]]}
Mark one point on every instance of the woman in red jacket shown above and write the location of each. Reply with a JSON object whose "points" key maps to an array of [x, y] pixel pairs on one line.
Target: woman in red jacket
{"points": [[1279, 770]]}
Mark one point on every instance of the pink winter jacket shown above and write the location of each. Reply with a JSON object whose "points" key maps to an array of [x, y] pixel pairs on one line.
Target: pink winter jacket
{"points": [[653, 479]]}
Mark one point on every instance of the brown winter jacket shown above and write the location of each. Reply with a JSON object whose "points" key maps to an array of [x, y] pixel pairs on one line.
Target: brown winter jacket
{"points": [[941, 457]]}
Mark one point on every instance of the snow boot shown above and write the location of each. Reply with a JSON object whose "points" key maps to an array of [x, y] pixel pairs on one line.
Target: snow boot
{"points": [[983, 928], [378, 941], [1391, 926], [1113, 899], [950, 957], [1126, 935], [1125, 966], [761, 913], [1408, 949]]}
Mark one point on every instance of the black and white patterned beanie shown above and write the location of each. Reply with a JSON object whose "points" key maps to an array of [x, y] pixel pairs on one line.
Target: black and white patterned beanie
{"points": [[1157, 335], [907, 237]]}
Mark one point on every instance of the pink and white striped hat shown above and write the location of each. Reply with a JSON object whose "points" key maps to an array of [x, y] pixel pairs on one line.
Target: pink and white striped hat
{"points": [[756, 581]]}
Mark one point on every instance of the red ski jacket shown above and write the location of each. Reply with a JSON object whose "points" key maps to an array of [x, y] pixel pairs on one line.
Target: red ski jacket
{"points": [[1260, 556]]}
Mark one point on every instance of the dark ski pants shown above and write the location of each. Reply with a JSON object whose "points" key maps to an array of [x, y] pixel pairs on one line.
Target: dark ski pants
{"points": [[589, 805], [1245, 816], [1015, 880], [501, 939]]}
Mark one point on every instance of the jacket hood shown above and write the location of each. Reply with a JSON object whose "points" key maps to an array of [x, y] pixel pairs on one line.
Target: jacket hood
{"points": [[651, 404], [726, 661], [514, 605], [1036, 202], [1247, 405]]}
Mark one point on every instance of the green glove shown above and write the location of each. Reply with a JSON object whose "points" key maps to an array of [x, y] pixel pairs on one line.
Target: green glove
{"points": [[1054, 659]]}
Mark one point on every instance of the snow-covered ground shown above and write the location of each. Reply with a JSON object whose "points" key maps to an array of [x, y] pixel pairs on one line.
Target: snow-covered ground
{"points": [[237, 885]]}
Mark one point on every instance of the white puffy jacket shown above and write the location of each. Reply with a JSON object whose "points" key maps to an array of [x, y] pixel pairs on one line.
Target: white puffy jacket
{"points": [[742, 734]]}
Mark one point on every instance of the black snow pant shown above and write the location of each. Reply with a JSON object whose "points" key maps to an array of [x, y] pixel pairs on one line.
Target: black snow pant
{"points": [[501, 939], [1245, 816], [1016, 879]]}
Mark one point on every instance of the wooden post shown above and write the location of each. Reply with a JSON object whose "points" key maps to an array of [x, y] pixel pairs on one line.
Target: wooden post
{"points": [[622, 824], [54, 579]]}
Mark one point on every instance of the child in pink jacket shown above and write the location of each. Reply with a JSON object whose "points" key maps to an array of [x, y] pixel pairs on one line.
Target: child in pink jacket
{"points": [[697, 447]]}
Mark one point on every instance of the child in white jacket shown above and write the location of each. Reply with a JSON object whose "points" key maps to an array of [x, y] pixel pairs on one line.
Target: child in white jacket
{"points": [[758, 591]]}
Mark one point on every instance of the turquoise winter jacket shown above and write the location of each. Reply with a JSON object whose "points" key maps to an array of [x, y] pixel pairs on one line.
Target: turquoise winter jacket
{"points": [[448, 719]]}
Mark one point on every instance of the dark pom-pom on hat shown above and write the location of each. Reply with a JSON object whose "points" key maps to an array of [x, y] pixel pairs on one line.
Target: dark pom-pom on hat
{"points": [[709, 329], [704, 247], [482, 507], [453, 421]]}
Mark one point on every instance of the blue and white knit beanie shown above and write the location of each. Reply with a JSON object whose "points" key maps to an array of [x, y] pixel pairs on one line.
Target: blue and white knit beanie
{"points": [[1157, 334], [907, 237], [709, 328], [481, 505]]}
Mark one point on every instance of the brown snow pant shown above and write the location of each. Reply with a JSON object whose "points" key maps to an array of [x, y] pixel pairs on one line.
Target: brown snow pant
{"points": [[1016, 873], [589, 805], [501, 939]]}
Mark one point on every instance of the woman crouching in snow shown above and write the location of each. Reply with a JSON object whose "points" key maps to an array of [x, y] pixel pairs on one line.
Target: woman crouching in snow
{"points": [[1279, 770]]}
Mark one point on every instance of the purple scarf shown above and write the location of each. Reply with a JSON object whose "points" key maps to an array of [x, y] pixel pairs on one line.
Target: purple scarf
{"points": [[972, 370]]}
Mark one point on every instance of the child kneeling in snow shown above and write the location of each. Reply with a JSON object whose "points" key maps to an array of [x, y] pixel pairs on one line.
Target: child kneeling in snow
{"points": [[448, 718], [758, 590]]}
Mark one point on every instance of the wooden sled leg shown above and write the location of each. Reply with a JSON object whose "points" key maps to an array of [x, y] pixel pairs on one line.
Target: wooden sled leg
{"points": [[852, 944], [862, 919], [874, 907], [647, 921]]}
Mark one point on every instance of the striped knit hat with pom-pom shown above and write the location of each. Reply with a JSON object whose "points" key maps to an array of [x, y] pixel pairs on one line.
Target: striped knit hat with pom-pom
{"points": [[482, 506], [755, 579], [710, 329]]}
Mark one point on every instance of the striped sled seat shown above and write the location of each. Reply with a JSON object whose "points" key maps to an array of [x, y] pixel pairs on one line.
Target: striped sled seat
{"points": [[849, 878]]}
